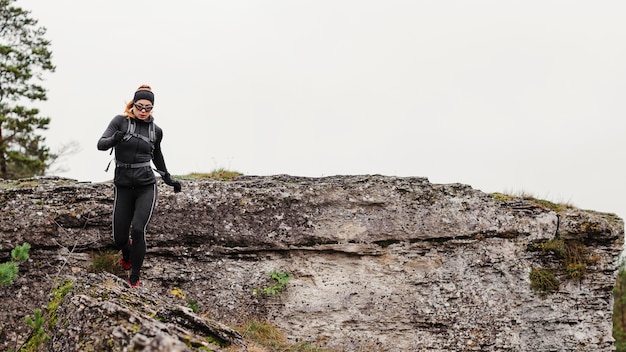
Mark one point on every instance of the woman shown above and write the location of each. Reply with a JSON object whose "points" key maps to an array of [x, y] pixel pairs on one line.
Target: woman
{"points": [[137, 141]]}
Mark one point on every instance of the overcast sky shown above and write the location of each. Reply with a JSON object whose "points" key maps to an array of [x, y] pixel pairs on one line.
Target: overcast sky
{"points": [[508, 96]]}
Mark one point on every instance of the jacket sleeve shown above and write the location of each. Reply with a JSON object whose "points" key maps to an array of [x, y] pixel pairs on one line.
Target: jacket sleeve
{"points": [[157, 158], [107, 140]]}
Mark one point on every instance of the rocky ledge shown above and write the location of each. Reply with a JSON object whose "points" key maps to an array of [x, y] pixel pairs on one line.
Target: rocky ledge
{"points": [[375, 263]]}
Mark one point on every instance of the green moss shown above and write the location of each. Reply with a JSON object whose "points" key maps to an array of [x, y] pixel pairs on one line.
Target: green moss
{"points": [[57, 297], [39, 334]]}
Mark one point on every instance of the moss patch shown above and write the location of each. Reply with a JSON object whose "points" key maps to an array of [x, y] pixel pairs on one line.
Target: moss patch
{"points": [[57, 297]]}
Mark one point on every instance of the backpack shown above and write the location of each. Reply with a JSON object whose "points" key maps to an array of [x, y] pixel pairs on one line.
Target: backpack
{"points": [[130, 133]]}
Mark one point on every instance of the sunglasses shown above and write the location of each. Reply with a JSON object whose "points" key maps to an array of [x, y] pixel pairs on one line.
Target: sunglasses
{"points": [[148, 108]]}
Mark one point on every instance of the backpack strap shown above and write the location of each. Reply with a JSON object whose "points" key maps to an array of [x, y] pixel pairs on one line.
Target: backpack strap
{"points": [[152, 134], [132, 166], [151, 139], [130, 129], [130, 133]]}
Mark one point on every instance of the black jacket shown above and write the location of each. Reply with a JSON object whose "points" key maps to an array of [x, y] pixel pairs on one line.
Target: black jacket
{"points": [[132, 151]]}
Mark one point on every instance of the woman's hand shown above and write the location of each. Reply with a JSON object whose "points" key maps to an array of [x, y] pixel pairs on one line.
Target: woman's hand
{"points": [[167, 178], [117, 137]]}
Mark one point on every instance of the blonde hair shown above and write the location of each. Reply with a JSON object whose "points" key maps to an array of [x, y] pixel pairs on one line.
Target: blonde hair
{"points": [[128, 111]]}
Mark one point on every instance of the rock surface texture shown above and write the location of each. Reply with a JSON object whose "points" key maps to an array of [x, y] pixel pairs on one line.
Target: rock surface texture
{"points": [[377, 264]]}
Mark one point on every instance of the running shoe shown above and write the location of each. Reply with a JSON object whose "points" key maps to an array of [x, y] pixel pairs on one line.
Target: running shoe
{"points": [[126, 265]]}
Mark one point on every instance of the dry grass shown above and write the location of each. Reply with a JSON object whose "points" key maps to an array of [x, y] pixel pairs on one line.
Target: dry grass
{"points": [[542, 203], [105, 261], [263, 336], [219, 175]]}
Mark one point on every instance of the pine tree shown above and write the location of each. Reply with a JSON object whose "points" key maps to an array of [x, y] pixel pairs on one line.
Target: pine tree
{"points": [[619, 310], [24, 57]]}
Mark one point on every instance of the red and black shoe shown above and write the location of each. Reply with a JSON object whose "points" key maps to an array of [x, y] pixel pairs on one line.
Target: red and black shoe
{"points": [[135, 285], [126, 265]]}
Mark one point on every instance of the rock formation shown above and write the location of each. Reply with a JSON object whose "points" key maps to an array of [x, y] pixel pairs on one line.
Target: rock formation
{"points": [[375, 263]]}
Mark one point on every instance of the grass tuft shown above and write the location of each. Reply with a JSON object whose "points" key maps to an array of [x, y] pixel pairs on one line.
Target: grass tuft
{"points": [[543, 280], [265, 337], [105, 261], [541, 203], [218, 174], [573, 258]]}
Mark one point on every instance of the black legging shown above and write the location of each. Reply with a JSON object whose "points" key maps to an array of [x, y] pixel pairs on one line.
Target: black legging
{"points": [[133, 206]]}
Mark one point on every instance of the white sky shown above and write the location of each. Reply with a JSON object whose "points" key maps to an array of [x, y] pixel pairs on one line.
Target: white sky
{"points": [[501, 95]]}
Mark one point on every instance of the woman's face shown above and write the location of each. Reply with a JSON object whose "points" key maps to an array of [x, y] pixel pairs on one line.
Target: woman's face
{"points": [[142, 109]]}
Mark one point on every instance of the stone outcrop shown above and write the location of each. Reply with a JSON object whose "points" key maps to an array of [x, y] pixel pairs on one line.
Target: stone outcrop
{"points": [[376, 263], [102, 314]]}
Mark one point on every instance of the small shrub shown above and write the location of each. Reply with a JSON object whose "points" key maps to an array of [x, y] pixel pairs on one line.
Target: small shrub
{"points": [[543, 280], [105, 261], [576, 271], [38, 336], [577, 260], [279, 280], [20, 253], [573, 255], [8, 273], [9, 270], [556, 247], [193, 304]]}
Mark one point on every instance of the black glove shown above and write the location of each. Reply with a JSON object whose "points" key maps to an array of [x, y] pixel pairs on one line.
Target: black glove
{"points": [[117, 137], [167, 178]]}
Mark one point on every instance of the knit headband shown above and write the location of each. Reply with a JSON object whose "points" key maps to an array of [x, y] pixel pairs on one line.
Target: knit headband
{"points": [[144, 94]]}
